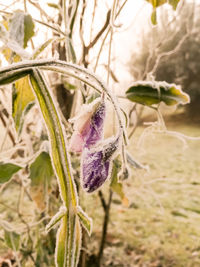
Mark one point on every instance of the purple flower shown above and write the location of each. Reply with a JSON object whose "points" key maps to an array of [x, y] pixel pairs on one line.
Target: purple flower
{"points": [[95, 131], [96, 156], [88, 126], [96, 165]]}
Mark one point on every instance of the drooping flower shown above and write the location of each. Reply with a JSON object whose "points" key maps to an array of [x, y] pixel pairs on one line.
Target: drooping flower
{"points": [[88, 126], [96, 165], [96, 158]]}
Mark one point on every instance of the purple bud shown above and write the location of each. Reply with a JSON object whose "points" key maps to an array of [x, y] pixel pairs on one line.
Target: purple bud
{"points": [[88, 126], [96, 166]]}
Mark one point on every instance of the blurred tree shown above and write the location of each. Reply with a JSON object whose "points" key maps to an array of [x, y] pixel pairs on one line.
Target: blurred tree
{"points": [[170, 51]]}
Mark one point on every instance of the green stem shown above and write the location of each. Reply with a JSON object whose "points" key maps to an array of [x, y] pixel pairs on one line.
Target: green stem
{"points": [[66, 247], [57, 140], [73, 70]]}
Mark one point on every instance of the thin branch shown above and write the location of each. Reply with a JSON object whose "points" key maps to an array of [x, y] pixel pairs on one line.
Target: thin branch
{"points": [[99, 34], [9, 132], [104, 231], [103, 202]]}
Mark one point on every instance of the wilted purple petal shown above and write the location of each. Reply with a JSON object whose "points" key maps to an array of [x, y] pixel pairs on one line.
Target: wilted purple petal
{"points": [[96, 166], [88, 127], [95, 131]]}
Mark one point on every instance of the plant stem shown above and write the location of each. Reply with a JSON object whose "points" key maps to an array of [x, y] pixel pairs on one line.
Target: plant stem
{"points": [[66, 246], [9, 74], [104, 230]]}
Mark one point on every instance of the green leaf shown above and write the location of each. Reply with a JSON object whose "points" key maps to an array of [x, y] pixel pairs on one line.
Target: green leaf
{"points": [[7, 170], [12, 240], [28, 28], [150, 93], [85, 220], [174, 3], [116, 186], [55, 219], [22, 98], [41, 173], [41, 169], [41, 48], [21, 28]]}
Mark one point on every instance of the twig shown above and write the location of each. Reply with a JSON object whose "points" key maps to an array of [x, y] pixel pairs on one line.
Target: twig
{"points": [[103, 202], [9, 132], [105, 227]]}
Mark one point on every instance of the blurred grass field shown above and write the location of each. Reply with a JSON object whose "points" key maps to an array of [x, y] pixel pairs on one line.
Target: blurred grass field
{"points": [[162, 225]]}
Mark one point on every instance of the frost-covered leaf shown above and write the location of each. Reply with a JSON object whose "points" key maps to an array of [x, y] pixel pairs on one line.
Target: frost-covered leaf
{"points": [[28, 29], [55, 219], [117, 186], [12, 42], [16, 27], [12, 240], [22, 98], [41, 48], [41, 173], [21, 28], [150, 93], [7, 170], [85, 220]]}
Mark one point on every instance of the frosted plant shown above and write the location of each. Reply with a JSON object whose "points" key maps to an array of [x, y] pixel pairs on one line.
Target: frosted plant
{"points": [[87, 137]]}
